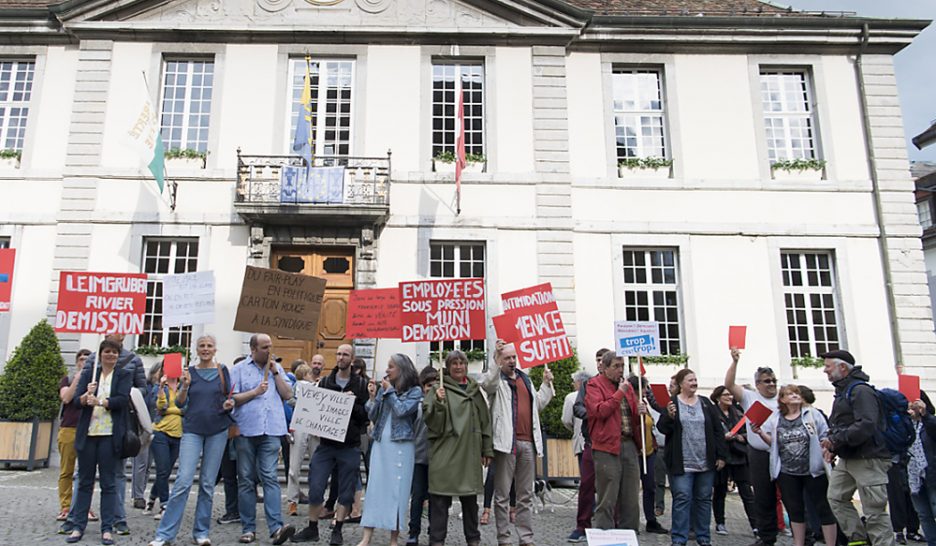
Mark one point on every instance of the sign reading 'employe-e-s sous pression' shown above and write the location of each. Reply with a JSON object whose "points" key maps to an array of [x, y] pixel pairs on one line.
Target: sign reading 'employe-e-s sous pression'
{"points": [[441, 310]]}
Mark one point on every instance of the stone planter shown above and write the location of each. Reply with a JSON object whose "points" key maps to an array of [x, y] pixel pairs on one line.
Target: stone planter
{"points": [[9, 163], [807, 175], [26, 443], [441, 167], [643, 173], [149, 361], [176, 164]]}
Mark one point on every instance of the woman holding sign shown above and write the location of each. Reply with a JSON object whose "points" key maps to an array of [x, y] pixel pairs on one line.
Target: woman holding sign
{"points": [[796, 463], [99, 438], [167, 430], [393, 410], [695, 450], [207, 418]]}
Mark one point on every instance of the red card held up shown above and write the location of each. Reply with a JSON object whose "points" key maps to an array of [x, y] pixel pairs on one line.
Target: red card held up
{"points": [[758, 413], [172, 365], [736, 336], [909, 386], [661, 393]]}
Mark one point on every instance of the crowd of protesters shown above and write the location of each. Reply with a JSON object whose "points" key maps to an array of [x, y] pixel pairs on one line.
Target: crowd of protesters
{"points": [[426, 436]]}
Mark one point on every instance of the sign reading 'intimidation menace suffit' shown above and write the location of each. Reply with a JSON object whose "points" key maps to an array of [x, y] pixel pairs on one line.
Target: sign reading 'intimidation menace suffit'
{"points": [[101, 303], [531, 321], [441, 310], [280, 303]]}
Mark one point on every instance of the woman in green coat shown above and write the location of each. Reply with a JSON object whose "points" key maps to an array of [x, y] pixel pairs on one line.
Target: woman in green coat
{"points": [[458, 426]]}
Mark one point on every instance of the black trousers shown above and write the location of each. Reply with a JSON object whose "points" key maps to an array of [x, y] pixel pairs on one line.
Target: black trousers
{"points": [[739, 474], [902, 514], [765, 495], [438, 518], [792, 489], [228, 473]]}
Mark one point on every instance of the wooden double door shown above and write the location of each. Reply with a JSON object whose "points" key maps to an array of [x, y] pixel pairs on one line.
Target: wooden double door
{"points": [[336, 266]]}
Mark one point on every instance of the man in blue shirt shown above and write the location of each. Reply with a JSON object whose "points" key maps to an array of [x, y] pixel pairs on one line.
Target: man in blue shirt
{"points": [[262, 423]]}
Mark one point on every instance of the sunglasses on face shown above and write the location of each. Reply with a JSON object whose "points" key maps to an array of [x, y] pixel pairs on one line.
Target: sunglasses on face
{"points": [[768, 381]]}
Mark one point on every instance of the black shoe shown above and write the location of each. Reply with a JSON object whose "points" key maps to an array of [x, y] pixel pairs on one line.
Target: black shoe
{"points": [[139, 504], [900, 538], [121, 528], [309, 534], [228, 518], [916, 537], [336, 538], [282, 534], [760, 542], [656, 529]]}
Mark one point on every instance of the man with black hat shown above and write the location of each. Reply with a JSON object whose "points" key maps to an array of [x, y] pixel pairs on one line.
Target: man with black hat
{"points": [[854, 437]]}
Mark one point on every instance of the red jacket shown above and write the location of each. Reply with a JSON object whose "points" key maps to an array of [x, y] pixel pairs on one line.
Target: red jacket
{"points": [[603, 404]]}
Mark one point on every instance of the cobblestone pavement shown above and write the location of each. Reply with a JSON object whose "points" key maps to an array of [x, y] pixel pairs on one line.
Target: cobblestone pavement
{"points": [[28, 506]]}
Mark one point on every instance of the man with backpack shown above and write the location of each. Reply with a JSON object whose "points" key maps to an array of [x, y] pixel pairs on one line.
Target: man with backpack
{"points": [[857, 429]]}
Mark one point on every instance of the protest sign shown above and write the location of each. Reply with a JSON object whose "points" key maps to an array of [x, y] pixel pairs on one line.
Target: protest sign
{"points": [[101, 303], [279, 303], [661, 393], [758, 413], [611, 537], [532, 322], [442, 310], [188, 298], [322, 412], [7, 258], [909, 386], [736, 336], [172, 365], [373, 314], [637, 338]]}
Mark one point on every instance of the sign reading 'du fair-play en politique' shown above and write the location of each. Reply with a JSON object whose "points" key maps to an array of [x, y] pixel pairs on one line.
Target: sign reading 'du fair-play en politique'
{"points": [[279, 303], [531, 321], [441, 310], [101, 303]]}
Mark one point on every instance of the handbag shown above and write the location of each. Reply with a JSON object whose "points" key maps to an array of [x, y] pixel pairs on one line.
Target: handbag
{"points": [[131, 441], [233, 430]]}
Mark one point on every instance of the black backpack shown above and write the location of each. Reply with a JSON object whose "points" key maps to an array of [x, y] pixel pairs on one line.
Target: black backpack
{"points": [[898, 431]]}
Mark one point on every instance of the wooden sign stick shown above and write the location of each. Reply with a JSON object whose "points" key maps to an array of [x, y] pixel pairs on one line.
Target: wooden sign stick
{"points": [[643, 422]]}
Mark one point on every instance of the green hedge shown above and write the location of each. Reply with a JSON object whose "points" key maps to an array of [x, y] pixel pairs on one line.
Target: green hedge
{"points": [[30, 382], [551, 417]]}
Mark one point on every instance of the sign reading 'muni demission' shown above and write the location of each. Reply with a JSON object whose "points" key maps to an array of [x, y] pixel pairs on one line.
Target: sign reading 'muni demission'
{"points": [[280, 303]]}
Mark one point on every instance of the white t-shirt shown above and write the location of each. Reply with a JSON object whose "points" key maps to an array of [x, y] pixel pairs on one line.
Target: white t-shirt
{"points": [[747, 400]]}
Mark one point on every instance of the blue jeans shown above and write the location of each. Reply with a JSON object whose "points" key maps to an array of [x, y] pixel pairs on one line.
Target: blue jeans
{"points": [[256, 463], [165, 450], [925, 504], [193, 447], [97, 455], [692, 489], [120, 480]]}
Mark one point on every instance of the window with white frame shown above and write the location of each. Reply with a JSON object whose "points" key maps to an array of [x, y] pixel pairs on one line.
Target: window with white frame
{"points": [[445, 76], [809, 295], [651, 292], [788, 114], [186, 103], [165, 257], [925, 213], [16, 79], [639, 128], [457, 260], [331, 85], [4, 242]]}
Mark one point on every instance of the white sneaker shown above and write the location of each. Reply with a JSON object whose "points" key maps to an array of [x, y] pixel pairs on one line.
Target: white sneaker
{"points": [[720, 529], [159, 515], [204, 541], [158, 543]]}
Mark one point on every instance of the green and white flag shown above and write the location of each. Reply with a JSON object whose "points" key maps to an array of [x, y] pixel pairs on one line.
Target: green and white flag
{"points": [[143, 134]]}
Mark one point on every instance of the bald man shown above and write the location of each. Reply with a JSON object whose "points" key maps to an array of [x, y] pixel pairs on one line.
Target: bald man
{"points": [[345, 455]]}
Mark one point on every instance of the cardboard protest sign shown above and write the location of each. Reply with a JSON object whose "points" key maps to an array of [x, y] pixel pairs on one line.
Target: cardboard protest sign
{"points": [[611, 537], [661, 393], [637, 338], [172, 365], [532, 322], [373, 314], [101, 303], [7, 258], [441, 310], [909, 386], [279, 303], [758, 413], [736, 336], [322, 412], [188, 298]]}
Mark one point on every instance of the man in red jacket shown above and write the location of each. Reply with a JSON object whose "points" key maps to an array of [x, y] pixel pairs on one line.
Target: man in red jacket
{"points": [[614, 428]]}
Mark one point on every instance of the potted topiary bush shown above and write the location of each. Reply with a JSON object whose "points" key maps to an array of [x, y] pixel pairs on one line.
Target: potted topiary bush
{"points": [[558, 460], [29, 400]]}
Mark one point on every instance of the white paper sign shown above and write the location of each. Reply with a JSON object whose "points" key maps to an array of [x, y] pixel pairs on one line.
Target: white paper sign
{"points": [[634, 338], [322, 412], [188, 298], [611, 537]]}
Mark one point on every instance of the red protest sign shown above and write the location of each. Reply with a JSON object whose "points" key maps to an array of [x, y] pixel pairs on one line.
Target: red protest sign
{"points": [[101, 303], [758, 413], [373, 314], [7, 257], [532, 322], [909, 386], [441, 310], [172, 365], [736, 336], [661, 393]]}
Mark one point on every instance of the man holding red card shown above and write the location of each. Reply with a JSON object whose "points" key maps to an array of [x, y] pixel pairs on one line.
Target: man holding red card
{"points": [[765, 492]]}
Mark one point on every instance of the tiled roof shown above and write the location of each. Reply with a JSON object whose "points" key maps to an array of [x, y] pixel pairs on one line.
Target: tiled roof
{"points": [[679, 7]]}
